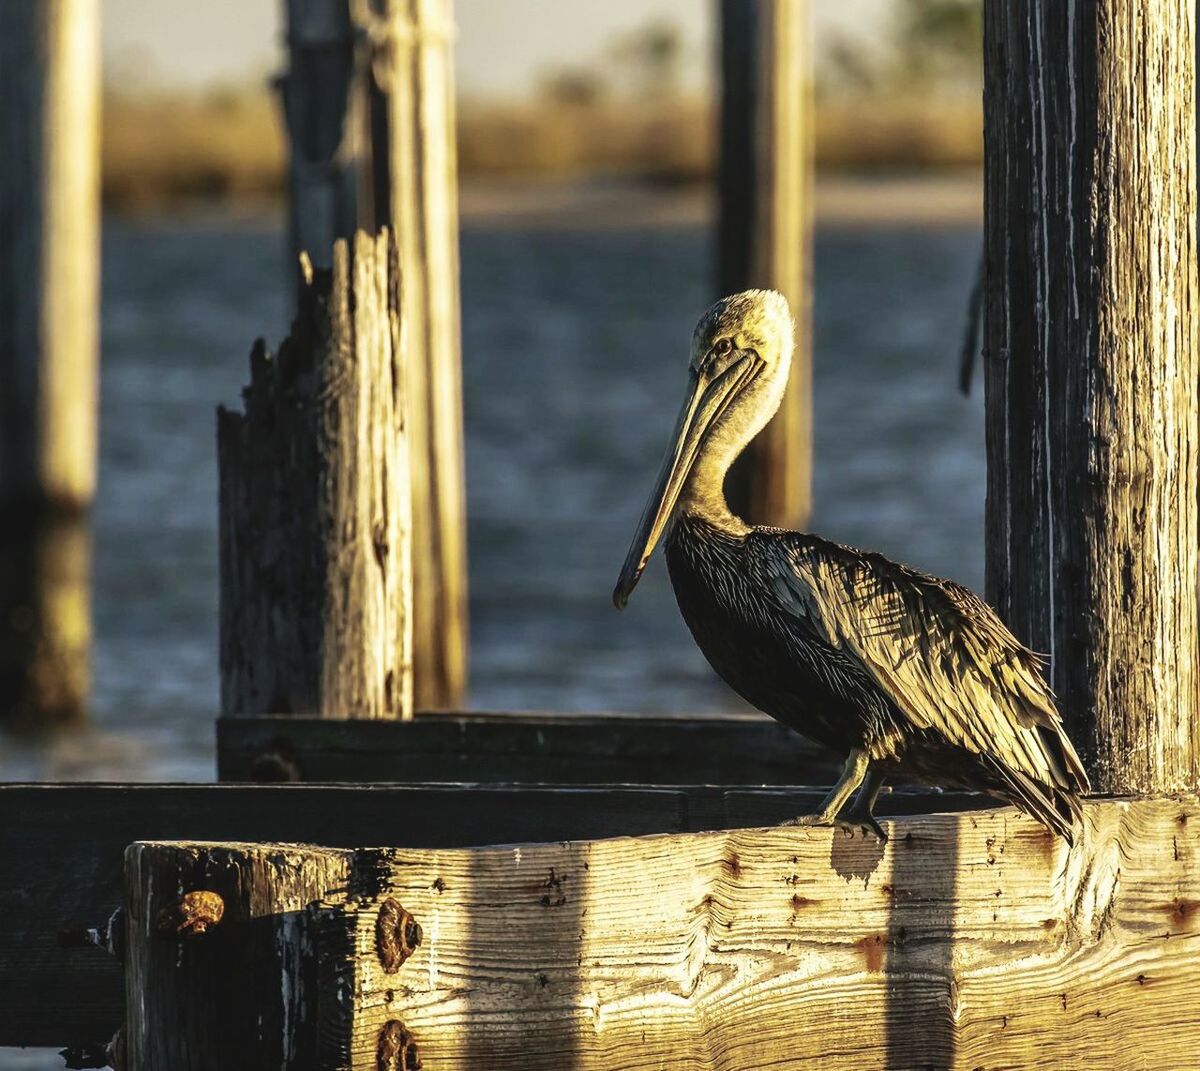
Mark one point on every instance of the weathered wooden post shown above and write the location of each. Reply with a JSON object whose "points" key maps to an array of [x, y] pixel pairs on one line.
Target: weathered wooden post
{"points": [[316, 592], [369, 101], [765, 227], [49, 294], [1091, 366]]}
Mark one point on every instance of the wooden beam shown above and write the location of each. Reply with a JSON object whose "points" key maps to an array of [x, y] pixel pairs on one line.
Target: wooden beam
{"points": [[49, 315], [1092, 372], [315, 515], [61, 845], [529, 748], [764, 235], [970, 941]]}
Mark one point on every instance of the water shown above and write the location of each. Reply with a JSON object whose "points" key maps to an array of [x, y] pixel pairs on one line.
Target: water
{"points": [[574, 353]]}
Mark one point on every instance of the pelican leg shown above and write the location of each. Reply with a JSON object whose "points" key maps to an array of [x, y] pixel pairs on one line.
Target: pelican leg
{"points": [[861, 812], [853, 775]]}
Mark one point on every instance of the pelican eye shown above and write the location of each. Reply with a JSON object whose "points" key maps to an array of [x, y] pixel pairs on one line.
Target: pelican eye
{"points": [[723, 346]]}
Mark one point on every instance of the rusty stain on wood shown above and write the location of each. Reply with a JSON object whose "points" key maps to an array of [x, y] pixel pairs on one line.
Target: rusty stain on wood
{"points": [[397, 935], [192, 914]]}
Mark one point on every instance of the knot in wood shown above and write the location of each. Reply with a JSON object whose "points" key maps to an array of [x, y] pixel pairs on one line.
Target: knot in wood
{"points": [[192, 914], [397, 1049], [397, 935]]}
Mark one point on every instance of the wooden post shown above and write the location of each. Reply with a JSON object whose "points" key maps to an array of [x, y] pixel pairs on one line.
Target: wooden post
{"points": [[370, 104], [49, 291], [1091, 369], [316, 594], [765, 228]]}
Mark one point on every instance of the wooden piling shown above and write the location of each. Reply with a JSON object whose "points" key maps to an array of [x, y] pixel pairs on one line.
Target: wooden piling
{"points": [[764, 236], [369, 100], [316, 582], [49, 297], [1091, 369]]}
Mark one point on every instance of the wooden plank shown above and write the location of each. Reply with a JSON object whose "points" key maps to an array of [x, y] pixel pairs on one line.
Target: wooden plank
{"points": [[530, 748], [49, 334], [970, 941], [315, 517], [1092, 374], [61, 845], [764, 230]]}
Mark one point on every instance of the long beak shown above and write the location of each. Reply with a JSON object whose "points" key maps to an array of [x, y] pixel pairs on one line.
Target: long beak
{"points": [[705, 402]]}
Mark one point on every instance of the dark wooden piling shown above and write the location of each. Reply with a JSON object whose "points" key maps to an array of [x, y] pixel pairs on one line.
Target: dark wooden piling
{"points": [[316, 578], [369, 102], [49, 297], [764, 236], [1091, 369]]}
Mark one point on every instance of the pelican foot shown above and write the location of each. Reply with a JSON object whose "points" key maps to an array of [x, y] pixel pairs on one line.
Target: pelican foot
{"points": [[849, 824]]}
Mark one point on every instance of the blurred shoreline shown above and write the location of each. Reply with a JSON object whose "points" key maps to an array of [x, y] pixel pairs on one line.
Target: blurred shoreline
{"points": [[169, 153]]}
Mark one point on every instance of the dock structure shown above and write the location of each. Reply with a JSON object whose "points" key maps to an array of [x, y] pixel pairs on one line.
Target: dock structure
{"points": [[1090, 354], [49, 337], [556, 923], [315, 531], [765, 225], [368, 99]]}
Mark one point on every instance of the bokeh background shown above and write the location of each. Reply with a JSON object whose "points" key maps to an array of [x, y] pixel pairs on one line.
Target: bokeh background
{"points": [[586, 156]]}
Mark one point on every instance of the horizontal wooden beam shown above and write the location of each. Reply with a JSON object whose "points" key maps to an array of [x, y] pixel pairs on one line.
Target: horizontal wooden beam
{"points": [[61, 846], [549, 748], [969, 941]]}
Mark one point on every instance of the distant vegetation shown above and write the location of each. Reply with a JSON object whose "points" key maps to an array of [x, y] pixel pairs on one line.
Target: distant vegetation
{"points": [[911, 103]]}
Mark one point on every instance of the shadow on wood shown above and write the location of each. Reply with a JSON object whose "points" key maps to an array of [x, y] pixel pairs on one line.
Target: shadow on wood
{"points": [[744, 948]]}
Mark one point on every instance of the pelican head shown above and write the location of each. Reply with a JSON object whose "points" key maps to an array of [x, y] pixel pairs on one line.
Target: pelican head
{"points": [[741, 353]]}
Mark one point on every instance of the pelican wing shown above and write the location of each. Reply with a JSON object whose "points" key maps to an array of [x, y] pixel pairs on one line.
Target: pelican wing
{"points": [[944, 659]]}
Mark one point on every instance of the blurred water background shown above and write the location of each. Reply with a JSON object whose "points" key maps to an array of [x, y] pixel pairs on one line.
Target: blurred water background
{"points": [[577, 310]]}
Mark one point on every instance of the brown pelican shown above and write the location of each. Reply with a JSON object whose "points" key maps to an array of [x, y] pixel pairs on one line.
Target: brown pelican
{"points": [[901, 672]]}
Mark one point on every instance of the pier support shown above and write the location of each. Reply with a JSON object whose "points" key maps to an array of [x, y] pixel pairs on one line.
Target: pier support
{"points": [[316, 576], [369, 103], [1091, 370], [49, 307], [764, 236]]}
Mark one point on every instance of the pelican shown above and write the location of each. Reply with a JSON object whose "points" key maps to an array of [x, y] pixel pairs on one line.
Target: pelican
{"points": [[903, 673]]}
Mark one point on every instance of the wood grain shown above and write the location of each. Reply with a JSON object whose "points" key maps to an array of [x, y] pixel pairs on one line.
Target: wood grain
{"points": [[61, 846], [49, 317], [972, 941], [1091, 370], [413, 176], [764, 229], [530, 748], [315, 516]]}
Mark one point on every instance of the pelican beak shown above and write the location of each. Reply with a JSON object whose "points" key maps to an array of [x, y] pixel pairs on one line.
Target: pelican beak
{"points": [[706, 400]]}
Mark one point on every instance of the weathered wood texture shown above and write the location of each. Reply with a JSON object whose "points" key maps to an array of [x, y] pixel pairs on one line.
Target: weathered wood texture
{"points": [[765, 228], [528, 748], [1091, 370], [49, 296], [370, 105], [970, 941], [61, 845], [316, 576]]}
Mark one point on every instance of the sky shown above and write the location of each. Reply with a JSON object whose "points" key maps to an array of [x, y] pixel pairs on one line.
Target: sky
{"points": [[503, 45]]}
